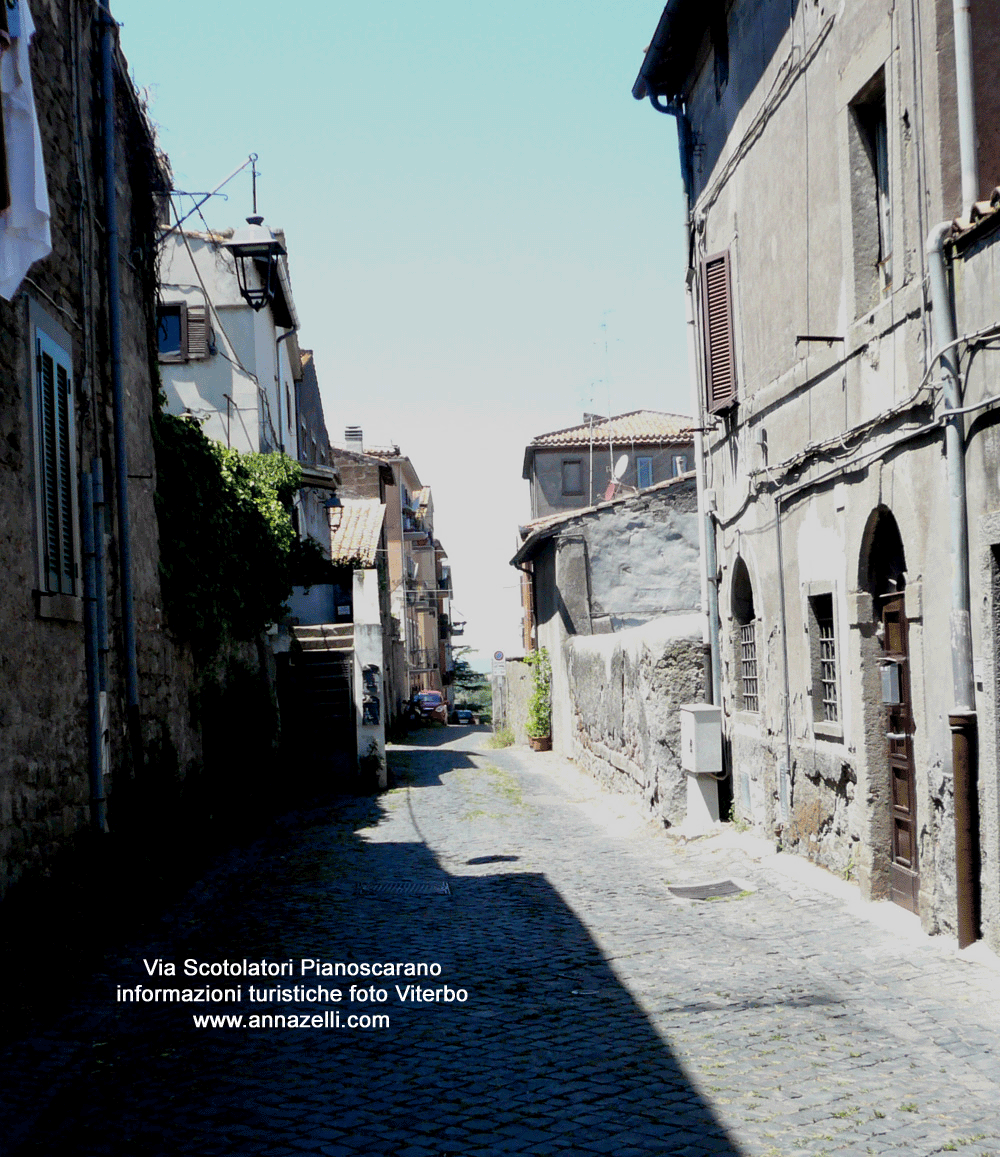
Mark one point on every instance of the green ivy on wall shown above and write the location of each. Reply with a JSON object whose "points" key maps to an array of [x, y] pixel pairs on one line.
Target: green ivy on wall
{"points": [[228, 549]]}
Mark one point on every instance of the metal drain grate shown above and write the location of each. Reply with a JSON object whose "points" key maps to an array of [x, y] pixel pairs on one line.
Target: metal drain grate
{"points": [[707, 891], [403, 888]]}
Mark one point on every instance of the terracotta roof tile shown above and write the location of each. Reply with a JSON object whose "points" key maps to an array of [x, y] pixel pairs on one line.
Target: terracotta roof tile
{"points": [[984, 217], [638, 426], [355, 540]]}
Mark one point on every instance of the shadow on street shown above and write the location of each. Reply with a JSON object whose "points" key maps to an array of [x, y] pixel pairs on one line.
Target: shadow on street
{"points": [[549, 1053]]}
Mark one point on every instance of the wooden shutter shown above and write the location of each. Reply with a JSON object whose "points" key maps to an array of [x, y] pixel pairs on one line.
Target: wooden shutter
{"points": [[55, 429], [198, 333], [720, 351]]}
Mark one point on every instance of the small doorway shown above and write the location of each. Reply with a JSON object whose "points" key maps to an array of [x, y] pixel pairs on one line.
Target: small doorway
{"points": [[890, 752], [904, 871]]}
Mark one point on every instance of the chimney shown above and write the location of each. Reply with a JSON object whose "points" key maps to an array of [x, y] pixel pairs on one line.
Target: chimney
{"points": [[354, 437]]}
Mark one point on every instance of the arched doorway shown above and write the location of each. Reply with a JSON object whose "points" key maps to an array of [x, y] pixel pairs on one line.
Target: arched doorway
{"points": [[882, 572]]}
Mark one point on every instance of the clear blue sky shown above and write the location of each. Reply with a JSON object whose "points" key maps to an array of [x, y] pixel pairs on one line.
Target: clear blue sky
{"points": [[469, 194]]}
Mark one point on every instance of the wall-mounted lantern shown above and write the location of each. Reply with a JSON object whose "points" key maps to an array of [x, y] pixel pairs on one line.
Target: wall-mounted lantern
{"points": [[334, 511], [255, 247]]}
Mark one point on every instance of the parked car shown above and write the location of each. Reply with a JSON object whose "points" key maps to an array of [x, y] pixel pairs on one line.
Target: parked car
{"points": [[463, 715], [432, 706]]}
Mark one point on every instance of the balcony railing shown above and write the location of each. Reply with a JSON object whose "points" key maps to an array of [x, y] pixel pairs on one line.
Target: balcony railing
{"points": [[422, 659]]}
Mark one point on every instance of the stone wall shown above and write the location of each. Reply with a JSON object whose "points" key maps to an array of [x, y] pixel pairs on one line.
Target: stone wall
{"points": [[44, 786], [625, 691]]}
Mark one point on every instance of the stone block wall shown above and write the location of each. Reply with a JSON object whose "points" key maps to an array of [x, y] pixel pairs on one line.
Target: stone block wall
{"points": [[44, 786], [625, 692]]}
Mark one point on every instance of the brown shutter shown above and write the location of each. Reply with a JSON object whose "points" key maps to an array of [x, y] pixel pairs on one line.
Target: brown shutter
{"points": [[720, 352], [198, 336]]}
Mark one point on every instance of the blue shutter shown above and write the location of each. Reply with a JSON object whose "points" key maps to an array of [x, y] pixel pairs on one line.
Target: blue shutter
{"points": [[55, 440]]}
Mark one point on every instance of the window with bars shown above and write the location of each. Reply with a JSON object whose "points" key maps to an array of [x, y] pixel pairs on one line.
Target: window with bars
{"points": [[746, 684], [748, 665], [823, 648], [54, 431]]}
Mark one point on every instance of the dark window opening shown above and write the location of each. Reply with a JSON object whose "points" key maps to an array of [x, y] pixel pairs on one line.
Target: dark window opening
{"points": [[572, 476], [719, 32], [870, 194], [171, 332]]}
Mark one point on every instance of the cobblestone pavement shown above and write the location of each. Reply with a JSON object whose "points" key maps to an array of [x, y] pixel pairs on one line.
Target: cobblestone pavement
{"points": [[603, 1014]]}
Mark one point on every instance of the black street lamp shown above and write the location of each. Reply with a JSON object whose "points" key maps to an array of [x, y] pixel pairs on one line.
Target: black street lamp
{"points": [[255, 249]]}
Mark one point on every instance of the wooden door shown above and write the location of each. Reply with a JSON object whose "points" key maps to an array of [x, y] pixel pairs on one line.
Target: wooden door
{"points": [[905, 874]]}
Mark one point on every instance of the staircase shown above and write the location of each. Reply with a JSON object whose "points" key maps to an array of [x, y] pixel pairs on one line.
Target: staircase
{"points": [[322, 659]]}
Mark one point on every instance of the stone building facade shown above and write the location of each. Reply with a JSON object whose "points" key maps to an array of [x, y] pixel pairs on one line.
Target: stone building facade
{"points": [[582, 465], [615, 598], [822, 160], [57, 424]]}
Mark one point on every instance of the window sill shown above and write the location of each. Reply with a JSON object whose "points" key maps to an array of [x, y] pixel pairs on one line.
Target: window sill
{"points": [[831, 732], [64, 608]]}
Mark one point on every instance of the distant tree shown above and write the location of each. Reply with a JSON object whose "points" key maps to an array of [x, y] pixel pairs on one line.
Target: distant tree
{"points": [[472, 688]]}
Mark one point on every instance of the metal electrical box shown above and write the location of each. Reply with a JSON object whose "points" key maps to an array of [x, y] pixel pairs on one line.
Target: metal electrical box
{"points": [[890, 683], [701, 738]]}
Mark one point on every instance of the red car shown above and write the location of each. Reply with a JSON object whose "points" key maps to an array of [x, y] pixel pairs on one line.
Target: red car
{"points": [[431, 705]]}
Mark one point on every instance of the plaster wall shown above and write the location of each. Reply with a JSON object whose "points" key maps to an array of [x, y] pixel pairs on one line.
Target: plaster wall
{"points": [[831, 425], [596, 469], [520, 685], [245, 392], [625, 690], [977, 291], [369, 677]]}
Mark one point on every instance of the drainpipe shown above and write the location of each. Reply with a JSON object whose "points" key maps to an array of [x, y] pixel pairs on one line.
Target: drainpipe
{"points": [[785, 773], [92, 656], [100, 587], [706, 529], [706, 499], [101, 592], [117, 384], [962, 717], [967, 143]]}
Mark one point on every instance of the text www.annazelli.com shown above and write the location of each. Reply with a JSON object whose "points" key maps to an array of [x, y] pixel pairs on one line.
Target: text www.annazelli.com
{"points": [[331, 1018]]}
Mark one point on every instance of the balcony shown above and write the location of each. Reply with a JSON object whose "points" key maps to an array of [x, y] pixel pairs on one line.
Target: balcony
{"points": [[422, 659]]}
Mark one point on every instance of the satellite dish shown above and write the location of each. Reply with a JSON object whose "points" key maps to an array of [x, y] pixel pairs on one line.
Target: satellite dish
{"points": [[620, 467]]}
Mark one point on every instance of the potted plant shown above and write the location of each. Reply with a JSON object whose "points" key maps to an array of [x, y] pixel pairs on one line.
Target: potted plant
{"points": [[540, 703]]}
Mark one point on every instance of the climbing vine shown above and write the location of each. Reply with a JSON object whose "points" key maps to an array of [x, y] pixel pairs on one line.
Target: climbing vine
{"points": [[540, 703], [229, 552]]}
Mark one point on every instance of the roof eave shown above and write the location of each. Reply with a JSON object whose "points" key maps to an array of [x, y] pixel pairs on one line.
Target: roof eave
{"points": [[529, 454], [671, 54]]}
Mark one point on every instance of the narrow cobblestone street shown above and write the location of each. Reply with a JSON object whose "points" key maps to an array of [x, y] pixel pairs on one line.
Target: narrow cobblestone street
{"points": [[604, 1015]]}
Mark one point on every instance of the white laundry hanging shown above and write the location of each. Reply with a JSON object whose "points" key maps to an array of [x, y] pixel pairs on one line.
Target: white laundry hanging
{"points": [[24, 225]]}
